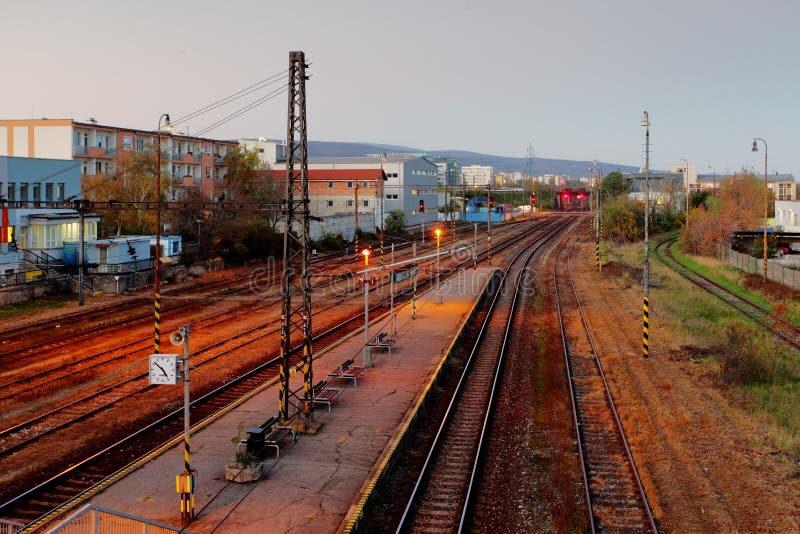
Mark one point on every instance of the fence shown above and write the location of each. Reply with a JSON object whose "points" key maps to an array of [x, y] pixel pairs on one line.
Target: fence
{"points": [[775, 272], [10, 527], [93, 519]]}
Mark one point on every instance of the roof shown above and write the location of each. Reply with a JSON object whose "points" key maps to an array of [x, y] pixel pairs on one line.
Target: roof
{"points": [[321, 175], [362, 160]]}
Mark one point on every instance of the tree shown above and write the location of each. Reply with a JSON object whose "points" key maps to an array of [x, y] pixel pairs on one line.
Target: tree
{"points": [[133, 180], [739, 206], [620, 220], [614, 185], [395, 221]]}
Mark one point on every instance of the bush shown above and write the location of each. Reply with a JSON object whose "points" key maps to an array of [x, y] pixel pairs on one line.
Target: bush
{"points": [[620, 221], [750, 359], [395, 222]]}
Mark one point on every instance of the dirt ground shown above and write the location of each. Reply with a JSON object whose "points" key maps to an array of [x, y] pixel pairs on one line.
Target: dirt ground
{"points": [[706, 464]]}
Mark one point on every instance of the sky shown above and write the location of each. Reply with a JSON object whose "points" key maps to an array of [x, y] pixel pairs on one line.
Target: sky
{"points": [[571, 77]]}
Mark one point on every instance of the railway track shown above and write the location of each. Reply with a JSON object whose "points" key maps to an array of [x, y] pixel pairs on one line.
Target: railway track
{"points": [[613, 490], [440, 498], [65, 487], [759, 314]]}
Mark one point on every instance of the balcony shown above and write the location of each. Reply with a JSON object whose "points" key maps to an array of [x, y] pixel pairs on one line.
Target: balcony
{"points": [[176, 156], [198, 157], [219, 160], [80, 150]]}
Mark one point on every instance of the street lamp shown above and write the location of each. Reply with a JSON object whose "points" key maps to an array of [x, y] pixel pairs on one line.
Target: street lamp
{"points": [[686, 177], [367, 353], [438, 290], [157, 266], [766, 199]]}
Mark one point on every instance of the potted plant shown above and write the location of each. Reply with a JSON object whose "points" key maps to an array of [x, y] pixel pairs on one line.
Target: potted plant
{"points": [[244, 467]]}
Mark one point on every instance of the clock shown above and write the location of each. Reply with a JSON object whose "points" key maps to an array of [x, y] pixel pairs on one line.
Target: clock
{"points": [[164, 368]]}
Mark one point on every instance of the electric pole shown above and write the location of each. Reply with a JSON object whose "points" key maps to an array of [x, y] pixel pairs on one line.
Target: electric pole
{"points": [[646, 278], [296, 278]]}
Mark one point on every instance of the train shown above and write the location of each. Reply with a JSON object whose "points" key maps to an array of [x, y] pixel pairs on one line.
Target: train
{"points": [[572, 199]]}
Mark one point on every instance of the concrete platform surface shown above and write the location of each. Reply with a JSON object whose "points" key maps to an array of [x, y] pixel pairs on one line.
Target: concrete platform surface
{"points": [[315, 481]]}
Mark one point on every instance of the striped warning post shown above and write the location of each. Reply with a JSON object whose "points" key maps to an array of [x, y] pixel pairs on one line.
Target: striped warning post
{"points": [[414, 300], [597, 254], [157, 323], [646, 327]]}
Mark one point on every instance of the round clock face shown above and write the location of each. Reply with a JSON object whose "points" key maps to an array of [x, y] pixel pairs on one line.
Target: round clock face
{"points": [[163, 369]]}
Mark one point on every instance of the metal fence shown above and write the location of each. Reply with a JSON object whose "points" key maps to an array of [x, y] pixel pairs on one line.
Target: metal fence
{"points": [[775, 272], [10, 527], [93, 519]]}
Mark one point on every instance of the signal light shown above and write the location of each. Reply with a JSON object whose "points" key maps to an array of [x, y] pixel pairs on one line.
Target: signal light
{"points": [[533, 199], [422, 206]]}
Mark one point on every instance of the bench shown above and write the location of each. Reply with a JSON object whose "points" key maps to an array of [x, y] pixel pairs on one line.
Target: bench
{"points": [[267, 434], [324, 394], [382, 341], [347, 370]]}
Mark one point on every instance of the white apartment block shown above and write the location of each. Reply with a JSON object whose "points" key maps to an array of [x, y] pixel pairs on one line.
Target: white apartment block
{"points": [[269, 152], [476, 175]]}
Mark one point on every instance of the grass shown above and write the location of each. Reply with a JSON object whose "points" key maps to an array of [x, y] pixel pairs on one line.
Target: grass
{"points": [[32, 306], [759, 372]]}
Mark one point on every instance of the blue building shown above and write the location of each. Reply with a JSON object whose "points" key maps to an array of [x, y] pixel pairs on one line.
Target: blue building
{"points": [[31, 234]]}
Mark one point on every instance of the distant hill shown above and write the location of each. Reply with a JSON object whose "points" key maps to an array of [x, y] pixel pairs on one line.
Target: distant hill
{"points": [[329, 149]]}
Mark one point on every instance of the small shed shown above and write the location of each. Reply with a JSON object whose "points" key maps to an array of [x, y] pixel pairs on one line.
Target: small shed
{"points": [[171, 247], [112, 251]]}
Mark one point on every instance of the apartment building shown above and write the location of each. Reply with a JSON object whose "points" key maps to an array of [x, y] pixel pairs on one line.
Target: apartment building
{"points": [[476, 175], [186, 161]]}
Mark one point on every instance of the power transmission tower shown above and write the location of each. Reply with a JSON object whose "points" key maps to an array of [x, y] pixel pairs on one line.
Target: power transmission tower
{"points": [[296, 278]]}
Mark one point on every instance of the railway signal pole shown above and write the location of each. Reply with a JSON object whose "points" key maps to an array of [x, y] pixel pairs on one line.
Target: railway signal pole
{"points": [[296, 278], [646, 279]]}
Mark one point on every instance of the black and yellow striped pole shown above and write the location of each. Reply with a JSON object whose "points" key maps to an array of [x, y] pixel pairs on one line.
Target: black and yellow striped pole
{"points": [[597, 255], [646, 277], [414, 299], [308, 374], [283, 382], [646, 327], [157, 322], [186, 482]]}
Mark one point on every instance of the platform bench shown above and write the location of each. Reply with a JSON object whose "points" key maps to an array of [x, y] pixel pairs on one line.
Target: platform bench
{"points": [[382, 341], [347, 370], [267, 434], [326, 395]]}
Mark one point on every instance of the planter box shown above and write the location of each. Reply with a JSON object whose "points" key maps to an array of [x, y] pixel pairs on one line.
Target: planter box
{"points": [[247, 474]]}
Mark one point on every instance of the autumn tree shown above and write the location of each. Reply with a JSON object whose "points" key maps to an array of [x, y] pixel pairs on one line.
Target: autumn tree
{"points": [[133, 180], [739, 206]]}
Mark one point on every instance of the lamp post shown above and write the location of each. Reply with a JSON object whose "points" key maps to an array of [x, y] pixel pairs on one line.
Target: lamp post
{"points": [[766, 199], [686, 177], [157, 266], [367, 353], [438, 290]]}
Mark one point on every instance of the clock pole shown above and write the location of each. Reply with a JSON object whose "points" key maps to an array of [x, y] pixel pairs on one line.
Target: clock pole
{"points": [[186, 481]]}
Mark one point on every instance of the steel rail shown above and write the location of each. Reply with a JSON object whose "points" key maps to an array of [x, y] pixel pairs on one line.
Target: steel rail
{"points": [[645, 504]]}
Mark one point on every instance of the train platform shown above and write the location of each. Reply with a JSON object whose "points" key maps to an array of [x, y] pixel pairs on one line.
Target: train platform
{"points": [[316, 483]]}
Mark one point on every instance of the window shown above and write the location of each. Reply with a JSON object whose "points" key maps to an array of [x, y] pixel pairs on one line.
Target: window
{"points": [[350, 203], [349, 185], [10, 191], [23, 191], [415, 191], [330, 203], [48, 192], [391, 197], [365, 184], [208, 149], [330, 185], [126, 142], [37, 192], [60, 192], [260, 150], [365, 203], [139, 144], [98, 167], [208, 172]]}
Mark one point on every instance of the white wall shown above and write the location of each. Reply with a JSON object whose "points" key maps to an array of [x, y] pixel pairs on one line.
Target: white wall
{"points": [[53, 142]]}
